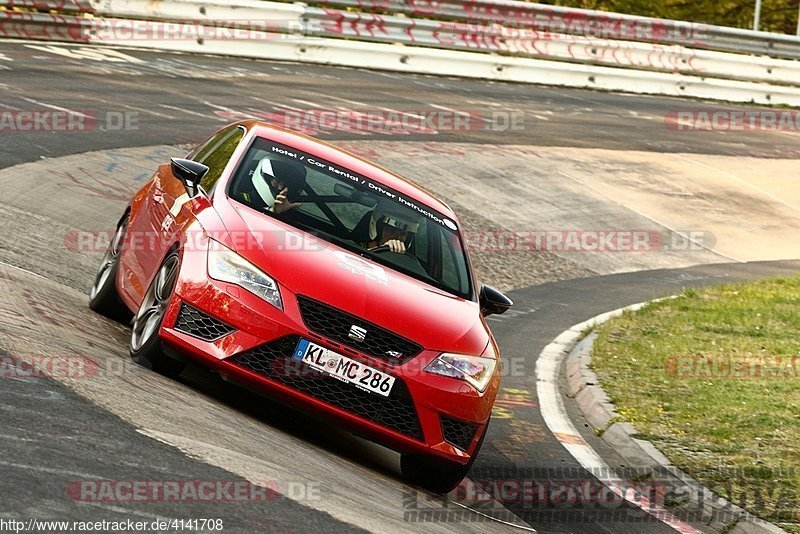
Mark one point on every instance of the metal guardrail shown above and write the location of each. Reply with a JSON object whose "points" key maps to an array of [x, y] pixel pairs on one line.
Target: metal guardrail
{"points": [[43, 26], [587, 23], [60, 6], [525, 42]]}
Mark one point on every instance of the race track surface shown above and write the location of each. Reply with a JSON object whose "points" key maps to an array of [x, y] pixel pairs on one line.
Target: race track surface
{"points": [[123, 422]]}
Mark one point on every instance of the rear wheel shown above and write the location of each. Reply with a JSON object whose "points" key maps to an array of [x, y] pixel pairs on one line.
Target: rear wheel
{"points": [[103, 297], [145, 346], [436, 475]]}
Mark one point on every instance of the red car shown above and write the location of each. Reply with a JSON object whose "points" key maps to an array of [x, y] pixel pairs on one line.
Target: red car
{"points": [[311, 275]]}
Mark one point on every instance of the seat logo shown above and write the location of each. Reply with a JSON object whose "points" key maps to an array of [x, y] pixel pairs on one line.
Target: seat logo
{"points": [[357, 333]]}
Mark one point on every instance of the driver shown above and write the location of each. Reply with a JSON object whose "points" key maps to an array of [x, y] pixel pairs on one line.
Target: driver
{"points": [[392, 226], [278, 183]]}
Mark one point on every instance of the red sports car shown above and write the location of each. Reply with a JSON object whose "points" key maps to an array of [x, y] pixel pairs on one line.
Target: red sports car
{"points": [[298, 269]]}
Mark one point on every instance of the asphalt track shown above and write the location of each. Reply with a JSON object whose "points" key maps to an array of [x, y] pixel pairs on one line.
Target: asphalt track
{"points": [[134, 425]]}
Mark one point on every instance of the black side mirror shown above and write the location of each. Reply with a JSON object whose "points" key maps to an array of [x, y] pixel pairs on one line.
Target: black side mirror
{"points": [[189, 173], [493, 301]]}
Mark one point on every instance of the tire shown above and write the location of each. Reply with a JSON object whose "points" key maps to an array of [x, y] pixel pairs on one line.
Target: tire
{"points": [[145, 345], [437, 475], [103, 296]]}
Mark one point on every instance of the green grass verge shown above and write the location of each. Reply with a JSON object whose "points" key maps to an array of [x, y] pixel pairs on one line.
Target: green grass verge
{"points": [[712, 378]]}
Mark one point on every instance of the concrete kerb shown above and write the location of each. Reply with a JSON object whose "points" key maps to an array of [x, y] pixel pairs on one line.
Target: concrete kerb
{"points": [[582, 385]]}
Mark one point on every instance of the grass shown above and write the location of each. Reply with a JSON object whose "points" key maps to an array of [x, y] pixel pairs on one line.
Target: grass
{"points": [[712, 378]]}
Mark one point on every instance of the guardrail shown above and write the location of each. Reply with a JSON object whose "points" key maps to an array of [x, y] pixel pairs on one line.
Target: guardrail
{"points": [[545, 45], [61, 6], [301, 33], [586, 22]]}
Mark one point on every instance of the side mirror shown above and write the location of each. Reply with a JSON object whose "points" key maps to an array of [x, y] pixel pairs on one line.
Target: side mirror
{"points": [[189, 173], [493, 301]]}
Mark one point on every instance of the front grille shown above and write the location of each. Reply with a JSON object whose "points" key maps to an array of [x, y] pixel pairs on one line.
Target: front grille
{"points": [[458, 433], [274, 361], [200, 325], [336, 324]]}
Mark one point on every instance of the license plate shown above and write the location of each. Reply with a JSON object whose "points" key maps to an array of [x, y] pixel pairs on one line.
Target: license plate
{"points": [[344, 368]]}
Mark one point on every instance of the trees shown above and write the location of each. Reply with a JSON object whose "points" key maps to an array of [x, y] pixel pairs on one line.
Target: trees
{"points": [[776, 15]]}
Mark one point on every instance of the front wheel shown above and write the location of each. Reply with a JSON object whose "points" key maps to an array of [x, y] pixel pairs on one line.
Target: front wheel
{"points": [[145, 346], [103, 297], [434, 475]]}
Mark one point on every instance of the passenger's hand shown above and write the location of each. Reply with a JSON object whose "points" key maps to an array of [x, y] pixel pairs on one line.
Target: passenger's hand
{"points": [[282, 203]]}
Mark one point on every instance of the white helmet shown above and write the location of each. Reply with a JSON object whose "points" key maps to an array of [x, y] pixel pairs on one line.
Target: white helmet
{"points": [[388, 213], [290, 174]]}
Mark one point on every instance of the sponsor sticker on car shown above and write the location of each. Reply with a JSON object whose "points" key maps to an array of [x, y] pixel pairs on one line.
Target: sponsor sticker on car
{"points": [[344, 368]]}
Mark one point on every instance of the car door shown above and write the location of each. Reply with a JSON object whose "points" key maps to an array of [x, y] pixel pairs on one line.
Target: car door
{"points": [[172, 209]]}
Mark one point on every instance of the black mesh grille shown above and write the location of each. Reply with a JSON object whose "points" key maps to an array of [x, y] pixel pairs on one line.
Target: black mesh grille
{"points": [[201, 325], [274, 360], [458, 433], [336, 325]]}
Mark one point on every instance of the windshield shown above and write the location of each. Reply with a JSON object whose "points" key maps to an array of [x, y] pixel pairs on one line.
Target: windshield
{"points": [[349, 210]]}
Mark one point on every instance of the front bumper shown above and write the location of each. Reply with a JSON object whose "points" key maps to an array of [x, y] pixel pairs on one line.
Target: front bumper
{"points": [[249, 341]]}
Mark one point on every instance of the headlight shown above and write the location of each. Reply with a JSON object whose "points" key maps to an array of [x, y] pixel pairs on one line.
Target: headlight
{"points": [[227, 266], [473, 369]]}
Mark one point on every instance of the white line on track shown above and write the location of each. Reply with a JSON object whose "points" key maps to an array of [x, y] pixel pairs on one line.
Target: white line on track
{"points": [[214, 106], [387, 75], [50, 470], [23, 270], [286, 106], [347, 101], [555, 417], [196, 114], [52, 106], [460, 112], [485, 103], [305, 103], [487, 516], [135, 108], [148, 111]]}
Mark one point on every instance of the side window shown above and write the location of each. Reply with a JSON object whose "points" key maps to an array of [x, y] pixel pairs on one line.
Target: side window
{"points": [[216, 152]]}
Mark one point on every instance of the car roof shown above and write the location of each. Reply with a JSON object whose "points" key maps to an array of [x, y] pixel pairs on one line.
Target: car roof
{"points": [[348, 160]]}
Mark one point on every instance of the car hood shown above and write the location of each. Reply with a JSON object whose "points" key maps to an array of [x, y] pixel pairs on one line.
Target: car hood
{"points": [[315, 268]]}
